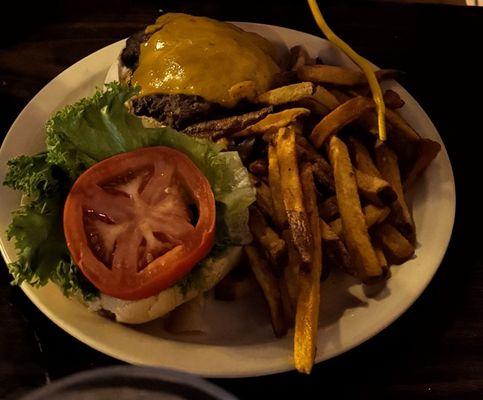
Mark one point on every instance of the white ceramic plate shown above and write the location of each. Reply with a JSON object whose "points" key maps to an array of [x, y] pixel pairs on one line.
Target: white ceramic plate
{"points": [[240, 342]]}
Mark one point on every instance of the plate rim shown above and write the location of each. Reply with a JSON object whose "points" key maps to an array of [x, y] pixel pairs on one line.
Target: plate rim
{"points": [[287, 365]]}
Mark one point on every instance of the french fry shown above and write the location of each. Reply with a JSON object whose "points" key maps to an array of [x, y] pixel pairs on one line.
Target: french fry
{"points": [[339, 118], [271, 291], [275, 185], [230, 288], [274, 121], [313, 105], [400, 126], [287, 94], [322, 169], [427, 151], [335, 251], [384, 74], [381, 257], [307, 315], [288, 308], [392, 99], [361, 158], [228, 125], [268, 239], [264, 199], [330, 74], [292, 269], [374, 189], [372, 214], [340, 95], [246, 90], [387, 162], [291, 192], [353, 222], [299, 57], [395, 245], [329, 209], [325, 97]]}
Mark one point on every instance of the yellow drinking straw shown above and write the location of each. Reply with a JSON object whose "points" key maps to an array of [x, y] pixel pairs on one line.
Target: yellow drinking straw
{"points": [[360, 61]]}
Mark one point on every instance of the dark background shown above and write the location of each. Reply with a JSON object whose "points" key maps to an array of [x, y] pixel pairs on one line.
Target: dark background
{"points": [[435, 350]]}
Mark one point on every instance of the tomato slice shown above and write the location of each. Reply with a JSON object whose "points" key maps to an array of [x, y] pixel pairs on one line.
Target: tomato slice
{"points": [[136, 223]]}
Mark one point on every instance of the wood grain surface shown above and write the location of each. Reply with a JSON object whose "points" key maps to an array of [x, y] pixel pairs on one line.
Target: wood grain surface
{"points": [[435, 350]]}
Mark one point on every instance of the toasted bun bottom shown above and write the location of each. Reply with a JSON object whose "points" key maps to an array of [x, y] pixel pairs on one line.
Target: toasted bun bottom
{"points": [[144, 310]]}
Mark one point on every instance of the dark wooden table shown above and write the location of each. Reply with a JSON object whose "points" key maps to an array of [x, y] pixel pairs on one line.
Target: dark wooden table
{"points": [[435, 350]]}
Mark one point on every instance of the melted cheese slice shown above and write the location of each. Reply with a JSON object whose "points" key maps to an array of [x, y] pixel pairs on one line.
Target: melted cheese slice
{"points": [[200, 56]]}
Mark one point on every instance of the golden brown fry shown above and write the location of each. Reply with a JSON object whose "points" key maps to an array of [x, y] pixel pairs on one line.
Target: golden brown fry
{"points": [[361, 158], [329, 209], [387, 162], [322, 169], [340, 95], [325, 97], [339, 118], [313, 105], [287, 94], [400, 126], [353, 221], [231, 288], [246, 90], [299, 57], [395, 245], [307, 315], [268, 239], [373, 215], [374, 189], [381, 257], [392, 99], [291, 193], [330, 74], [427, 151], [274, 121], [270, 288], [292, 269], [275, 185]]}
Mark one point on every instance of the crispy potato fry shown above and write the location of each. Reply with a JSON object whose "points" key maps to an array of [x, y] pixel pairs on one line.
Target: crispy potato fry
{"points": [[325, 97], [313, 105], [392, 99], [374, 189], [330, 74], [268, 239], [353, 222], [231, 288], [299, 57], [287, 94], [387, 162], [395, 245], [264, 200], [288, 308], [275, 185], [226, 126], [373, 215], [427, 151], [335, 251], [361, 158], [322, 169], [329, 209], [270, 289], [307, 315], [292, 269], [274, 121], [384, 74], [400, 126], [246, 90], [291, 193], [339, 118], [381, 257], [340, 95]]}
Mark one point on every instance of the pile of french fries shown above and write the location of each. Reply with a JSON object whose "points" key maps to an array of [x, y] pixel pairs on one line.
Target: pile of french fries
{"points": [[329, 193]]}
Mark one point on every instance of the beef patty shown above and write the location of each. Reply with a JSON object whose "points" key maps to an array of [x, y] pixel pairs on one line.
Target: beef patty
{"points": [[175, 110]]}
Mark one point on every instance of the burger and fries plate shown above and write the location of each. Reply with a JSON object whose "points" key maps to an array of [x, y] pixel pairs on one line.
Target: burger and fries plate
{"points": [[239, 341]]}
